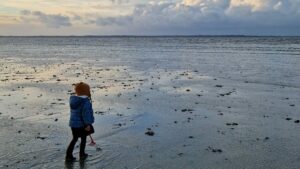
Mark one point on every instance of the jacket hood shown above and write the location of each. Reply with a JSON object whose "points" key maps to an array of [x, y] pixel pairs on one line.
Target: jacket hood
{"points": [[76, 101]]}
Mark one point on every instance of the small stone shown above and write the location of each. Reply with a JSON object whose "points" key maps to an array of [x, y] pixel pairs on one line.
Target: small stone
{"points": [[297, 121]]}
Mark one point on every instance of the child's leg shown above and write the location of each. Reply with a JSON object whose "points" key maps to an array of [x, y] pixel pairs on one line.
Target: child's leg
{"points": [[82, 145], [72, 144]]}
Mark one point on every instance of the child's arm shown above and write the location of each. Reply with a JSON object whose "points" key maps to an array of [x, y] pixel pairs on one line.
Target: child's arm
{"points": [[87, 113]]}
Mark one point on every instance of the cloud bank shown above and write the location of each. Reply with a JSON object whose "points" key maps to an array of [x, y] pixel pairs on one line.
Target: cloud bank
{"points": [[249, 17], [218, 17]]}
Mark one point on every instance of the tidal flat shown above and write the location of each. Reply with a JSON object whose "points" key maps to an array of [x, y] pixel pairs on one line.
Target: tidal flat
{"points": [[192, 110]]}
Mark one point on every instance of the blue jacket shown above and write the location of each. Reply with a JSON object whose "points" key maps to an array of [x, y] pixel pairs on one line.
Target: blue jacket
{"points": [[81, 112]]}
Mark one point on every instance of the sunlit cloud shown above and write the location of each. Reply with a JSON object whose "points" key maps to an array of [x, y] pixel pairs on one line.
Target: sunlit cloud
{"points": [[255, 5], [55, 21], [7, 19]]}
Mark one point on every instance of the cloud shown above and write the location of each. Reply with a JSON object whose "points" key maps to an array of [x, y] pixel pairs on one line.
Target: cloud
{"points": [[121, 20], [250, 17], [212, 17], [220, 4], [25, 12], [76, 18], [119, 1], [50, 20]]}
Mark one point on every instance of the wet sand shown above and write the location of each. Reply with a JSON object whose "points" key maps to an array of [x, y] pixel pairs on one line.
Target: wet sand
{"points": [[154, 118]]}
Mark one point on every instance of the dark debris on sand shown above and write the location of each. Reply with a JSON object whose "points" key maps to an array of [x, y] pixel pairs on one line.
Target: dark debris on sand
{"points": [[232, 124], [187, 110], [149, 132], [288, 118], [214, 150], [99, 112], [40, 137]]}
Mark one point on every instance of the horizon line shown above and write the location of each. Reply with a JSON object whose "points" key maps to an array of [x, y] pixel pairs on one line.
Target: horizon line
{"points": [[228, 35]]}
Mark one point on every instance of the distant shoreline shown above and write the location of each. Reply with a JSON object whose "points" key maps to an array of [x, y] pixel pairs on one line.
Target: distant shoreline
{"points": [[118, 36]]}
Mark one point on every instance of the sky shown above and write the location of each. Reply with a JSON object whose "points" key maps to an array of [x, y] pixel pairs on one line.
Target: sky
{"points": [[144, 17]]}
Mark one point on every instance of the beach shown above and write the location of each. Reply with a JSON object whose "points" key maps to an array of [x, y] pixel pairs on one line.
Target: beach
{"points": [[207, 102]]}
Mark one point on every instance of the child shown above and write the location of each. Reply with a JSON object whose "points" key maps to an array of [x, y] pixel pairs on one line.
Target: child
{"points": [[81, 117]]}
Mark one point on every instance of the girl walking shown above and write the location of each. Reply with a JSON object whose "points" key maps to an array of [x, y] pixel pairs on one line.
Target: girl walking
{"points": [[81, 119]]}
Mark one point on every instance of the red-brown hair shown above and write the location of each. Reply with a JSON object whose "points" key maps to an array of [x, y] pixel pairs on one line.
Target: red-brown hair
{"points": [[82, 89]]}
